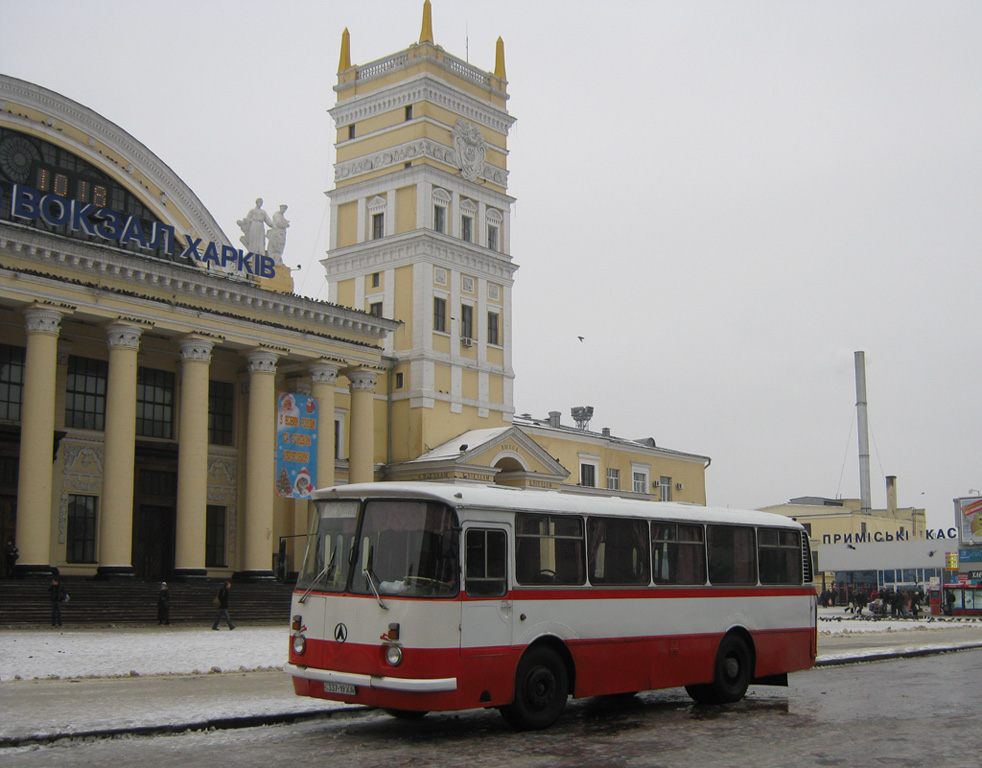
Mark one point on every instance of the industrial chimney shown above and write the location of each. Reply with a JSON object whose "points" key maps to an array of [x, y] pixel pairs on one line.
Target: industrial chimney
{"points": [[862, 427], [892, 495]]}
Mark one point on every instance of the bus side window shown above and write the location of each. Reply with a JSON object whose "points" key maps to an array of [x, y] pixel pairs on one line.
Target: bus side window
{"points": [[780, 556], [678, 554], [486, 563], [618, 550], [732, 554], [549, 549]]}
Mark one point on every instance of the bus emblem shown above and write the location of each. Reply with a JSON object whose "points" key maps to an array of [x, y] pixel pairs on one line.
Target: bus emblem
{"points": [[340, 633]]}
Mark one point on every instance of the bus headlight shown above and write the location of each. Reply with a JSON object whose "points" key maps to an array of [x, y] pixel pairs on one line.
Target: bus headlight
{"points": [[299, 644], [393, 655]]}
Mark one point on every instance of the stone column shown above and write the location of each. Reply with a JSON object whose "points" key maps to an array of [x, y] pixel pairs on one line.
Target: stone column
{"points": [[260, 467], [116, 516], [361, 455], [34, 483], [323, 378], [192, 459]]}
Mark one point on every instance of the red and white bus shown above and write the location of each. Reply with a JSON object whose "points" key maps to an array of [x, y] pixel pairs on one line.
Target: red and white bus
{"points": [[417, 597]]}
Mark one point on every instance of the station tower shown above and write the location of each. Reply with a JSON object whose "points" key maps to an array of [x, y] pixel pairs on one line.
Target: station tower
{"points": [[420, 233]]}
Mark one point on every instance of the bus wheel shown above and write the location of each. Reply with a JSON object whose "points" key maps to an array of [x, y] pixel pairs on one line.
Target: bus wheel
{"points": [[541, 689], [406, 714], [731, 675]]}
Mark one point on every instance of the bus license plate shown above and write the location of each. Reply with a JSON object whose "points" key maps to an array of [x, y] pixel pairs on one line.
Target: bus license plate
{"points": [[342, 688]]}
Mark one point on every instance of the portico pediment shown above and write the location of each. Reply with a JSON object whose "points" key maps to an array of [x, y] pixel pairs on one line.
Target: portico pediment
{"points": [[505, 455]]}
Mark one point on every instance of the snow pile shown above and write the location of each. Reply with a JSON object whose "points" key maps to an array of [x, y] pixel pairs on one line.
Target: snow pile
{"points": [[124, 652], [838, 621]]}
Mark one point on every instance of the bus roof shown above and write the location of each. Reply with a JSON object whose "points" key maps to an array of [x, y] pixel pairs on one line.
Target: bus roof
{"points": [[521, 500]]}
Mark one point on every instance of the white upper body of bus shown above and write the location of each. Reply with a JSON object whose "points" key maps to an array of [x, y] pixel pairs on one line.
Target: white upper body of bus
{"points": [[503, 498]]}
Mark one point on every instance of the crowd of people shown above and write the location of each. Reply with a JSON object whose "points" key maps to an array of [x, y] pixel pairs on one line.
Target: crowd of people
{"points": [[895, 603]]}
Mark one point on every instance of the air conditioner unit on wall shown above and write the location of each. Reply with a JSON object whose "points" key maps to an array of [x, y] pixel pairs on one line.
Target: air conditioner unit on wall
{"points": [[467, 342], [679, 486]]}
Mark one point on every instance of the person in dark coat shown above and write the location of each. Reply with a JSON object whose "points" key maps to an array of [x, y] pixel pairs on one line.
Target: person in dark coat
{"points": [[222, 600], [163, 604], [10, 555], [57, 593]]}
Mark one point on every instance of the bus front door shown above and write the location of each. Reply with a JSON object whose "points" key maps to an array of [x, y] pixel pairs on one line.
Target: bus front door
{"points": [[486, 615]]}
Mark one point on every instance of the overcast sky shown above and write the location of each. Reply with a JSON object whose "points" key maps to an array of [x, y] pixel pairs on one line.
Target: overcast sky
{"points": [[725, 199]]}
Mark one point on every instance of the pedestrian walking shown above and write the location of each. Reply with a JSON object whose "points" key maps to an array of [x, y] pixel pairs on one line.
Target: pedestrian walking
{"points": [[221, 603], [10, 555], [163, 604], [58, 596]]}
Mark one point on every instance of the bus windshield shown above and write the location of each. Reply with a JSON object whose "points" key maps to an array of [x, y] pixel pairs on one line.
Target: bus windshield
{"points": [[396, 547], [407, 548], [329, 542]]}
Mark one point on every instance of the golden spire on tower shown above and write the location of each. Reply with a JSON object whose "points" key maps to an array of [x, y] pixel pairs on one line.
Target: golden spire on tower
{"points": [[426, 33], [345, 62], [499, 60]]}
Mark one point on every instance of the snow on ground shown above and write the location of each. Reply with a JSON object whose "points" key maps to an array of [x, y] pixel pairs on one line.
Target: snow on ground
{"points": [[834, 621], [85, 652], [130, 651]]}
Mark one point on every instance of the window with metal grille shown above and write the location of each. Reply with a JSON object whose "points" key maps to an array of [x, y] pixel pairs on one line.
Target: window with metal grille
{"points": [[11, 382], [81, 529], [221, 403], [215, 537], [154, 403], [85, 393]]}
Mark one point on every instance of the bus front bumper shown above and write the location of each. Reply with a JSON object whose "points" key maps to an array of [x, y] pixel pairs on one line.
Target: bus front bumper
{"points": [[402, 684]]}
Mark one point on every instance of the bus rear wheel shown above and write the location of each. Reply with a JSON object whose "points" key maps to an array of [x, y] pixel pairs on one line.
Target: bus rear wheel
{"points": [[541, 690], [731, 674]]}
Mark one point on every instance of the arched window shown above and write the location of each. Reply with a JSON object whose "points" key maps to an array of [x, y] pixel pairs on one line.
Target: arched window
{"points": [[441, 206], [494, 219]]}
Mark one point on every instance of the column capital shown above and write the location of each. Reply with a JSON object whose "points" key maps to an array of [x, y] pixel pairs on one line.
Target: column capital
{"points": [[196, 348], [262, 361], [362, 379], [324, 371], [124, 335], [43, 320]]}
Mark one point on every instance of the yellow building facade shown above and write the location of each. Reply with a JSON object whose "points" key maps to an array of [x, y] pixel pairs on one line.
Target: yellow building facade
{"points": [[843, 520], [142, 352], [147, 365]]}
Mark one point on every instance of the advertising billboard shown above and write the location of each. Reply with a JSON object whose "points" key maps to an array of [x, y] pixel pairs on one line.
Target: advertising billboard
{"points": [[969, 513], [296, 445]]}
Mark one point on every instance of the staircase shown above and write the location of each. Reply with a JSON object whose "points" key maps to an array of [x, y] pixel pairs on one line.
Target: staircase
{"points": [[26, 603]]}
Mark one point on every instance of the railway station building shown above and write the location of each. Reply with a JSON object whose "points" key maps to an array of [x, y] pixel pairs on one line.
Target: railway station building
{"points": [[152, 366]]}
